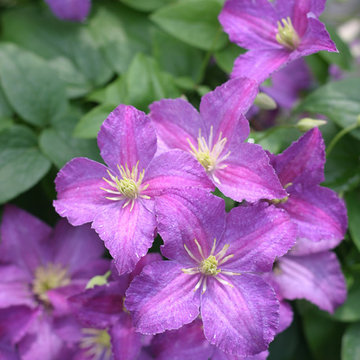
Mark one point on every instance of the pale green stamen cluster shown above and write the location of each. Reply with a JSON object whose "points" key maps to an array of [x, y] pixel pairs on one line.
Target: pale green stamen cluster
{"points": [[208, 154], [96, 344], [49, 277], [208, 266], [128, 186], [287, 35], [284, 199]]}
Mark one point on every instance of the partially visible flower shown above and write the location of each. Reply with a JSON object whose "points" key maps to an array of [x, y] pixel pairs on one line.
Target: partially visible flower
{"points": [[108, 332], [71, 10], [216, 139], [318, 212], [41, 268], [214, 269], [276, 33], [310, 271], [119, 199]]}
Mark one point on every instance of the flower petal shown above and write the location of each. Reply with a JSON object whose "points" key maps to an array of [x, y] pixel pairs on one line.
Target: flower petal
{"points": [[316, 39], [260, 64], [240, 319], [303, 161], [318, 213], [162, 298], [223, 109], [73, 10], [22, 236], [80, 196], [76, 247], [127, 233], [316, 277], [126, 137], [175, 121], [257, 235], [184, 216], [175, 169], [248, 175], [187, 343], [286, 316], [250, 23], [125, 342]]}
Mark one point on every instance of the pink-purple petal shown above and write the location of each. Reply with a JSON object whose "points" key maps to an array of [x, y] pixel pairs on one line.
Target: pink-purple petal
{"points": [[72, 10], [286, 316], [174, 170], [248, 175], [176, 121], [127, 233], [250, 23], [240, 319], [126, 137], [318, 213], [257, 235], [302, 162], [185, 216], [162, 298], [260, 64], [22, 236], [223, 108], [316, 277], [80, 196]]}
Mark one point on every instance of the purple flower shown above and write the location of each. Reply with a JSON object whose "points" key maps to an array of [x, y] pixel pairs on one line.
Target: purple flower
{"points": [[119, 199], [216, 136], [309, 271], [72, 10], [275, 33], [214, 264], [40, 268], [317, 211], [108, 329]]}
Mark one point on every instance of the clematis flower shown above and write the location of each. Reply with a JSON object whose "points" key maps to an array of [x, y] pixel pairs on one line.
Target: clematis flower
{"points": [[71, 10], [318, 212], [108, 332], [119, 199], [216, 136], [40, 268], [276, 33], [214, 270], [310, 271]]}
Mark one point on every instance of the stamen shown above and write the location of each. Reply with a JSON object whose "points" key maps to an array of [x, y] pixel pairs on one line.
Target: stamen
{"points": [[213, 247], [224, 282], [225, 259], [191, 254], [199, 248], [287, 35], [223, 251]]}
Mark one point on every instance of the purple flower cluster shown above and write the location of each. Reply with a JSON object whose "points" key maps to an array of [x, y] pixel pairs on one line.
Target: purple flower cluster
{"points": [[219, 290]]}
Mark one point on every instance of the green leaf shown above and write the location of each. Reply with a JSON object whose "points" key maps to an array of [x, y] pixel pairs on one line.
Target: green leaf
{"points": [[194, 22], [32, 88], [21, 163], [5, 109], [5, 123], [350, 310], [121, 33], [146, 5], [343, 58], [352, 202], [225, 57], [339, 101], [146, 83], [69, 47], [89, 124], [60, 146], [350, 347], [176, 57]]}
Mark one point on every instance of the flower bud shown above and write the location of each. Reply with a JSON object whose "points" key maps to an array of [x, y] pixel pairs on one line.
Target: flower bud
{"points": [[306, 124]]}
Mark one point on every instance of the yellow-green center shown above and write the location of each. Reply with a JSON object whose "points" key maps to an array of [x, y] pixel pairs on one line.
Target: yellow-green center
{"points": [[48, 277], [287, 35], [96, 343], [209, 266]]}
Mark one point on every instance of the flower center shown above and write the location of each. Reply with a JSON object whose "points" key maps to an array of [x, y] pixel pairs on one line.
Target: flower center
{"points": [[49, 277], [96, 343], [127, 186], [208, 266], [287, 35], [208, 154]]}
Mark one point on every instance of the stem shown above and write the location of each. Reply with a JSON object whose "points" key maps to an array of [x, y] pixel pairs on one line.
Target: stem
{"points": [[339, 135]]}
